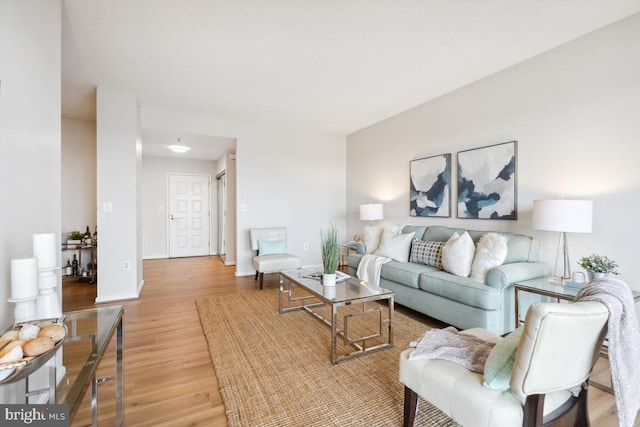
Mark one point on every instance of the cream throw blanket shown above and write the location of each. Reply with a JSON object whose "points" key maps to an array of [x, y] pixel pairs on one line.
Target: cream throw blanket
{"points": [[369, 268], [624, 343], [447, 344]]}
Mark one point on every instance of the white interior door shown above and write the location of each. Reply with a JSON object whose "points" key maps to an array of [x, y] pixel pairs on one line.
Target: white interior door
{"points": [[189, 206]]}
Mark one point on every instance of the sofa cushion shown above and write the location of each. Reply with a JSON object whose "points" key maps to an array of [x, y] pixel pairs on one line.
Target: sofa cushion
{"points": [[418, 230], [491, 252], [405, 273], [460, 289], [457, 254], [520, 248], [371, 238], [394, 246], [439, 233], [427, 252]]}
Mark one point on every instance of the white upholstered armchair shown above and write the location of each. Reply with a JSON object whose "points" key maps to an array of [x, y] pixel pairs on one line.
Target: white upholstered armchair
{"points": [[271, 247], [556, 352]]}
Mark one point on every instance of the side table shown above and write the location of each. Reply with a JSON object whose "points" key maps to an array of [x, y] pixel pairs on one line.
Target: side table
{"points": [[545, 286], [348, 247]]}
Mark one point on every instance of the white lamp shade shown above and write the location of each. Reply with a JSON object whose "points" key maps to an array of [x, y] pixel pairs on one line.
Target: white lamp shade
{"points": [[571, 216], [371, 212]]}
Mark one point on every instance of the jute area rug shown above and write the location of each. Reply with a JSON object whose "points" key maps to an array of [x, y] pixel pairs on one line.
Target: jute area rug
{"points": [[274, 369]]}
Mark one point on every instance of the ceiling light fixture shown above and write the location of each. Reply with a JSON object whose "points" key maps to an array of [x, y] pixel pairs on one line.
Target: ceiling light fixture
{"points": [[179, 148]]}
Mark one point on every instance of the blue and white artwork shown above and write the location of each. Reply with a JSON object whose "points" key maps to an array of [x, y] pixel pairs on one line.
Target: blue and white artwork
{"points": [[430, 192], [487, 182]]}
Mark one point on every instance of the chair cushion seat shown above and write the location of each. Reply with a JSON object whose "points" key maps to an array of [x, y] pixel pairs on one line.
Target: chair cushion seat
{"points": [[274, 263], [459, 393]]}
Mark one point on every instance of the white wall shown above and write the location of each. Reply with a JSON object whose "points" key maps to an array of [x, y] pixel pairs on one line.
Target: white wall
{"points": [[154, 200], [118, 162], [30, 109], [575, 113], [285, 177], [78, 175]]}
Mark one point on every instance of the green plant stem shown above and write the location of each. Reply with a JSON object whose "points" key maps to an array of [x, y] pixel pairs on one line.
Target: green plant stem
{"points": [[330, 250]]}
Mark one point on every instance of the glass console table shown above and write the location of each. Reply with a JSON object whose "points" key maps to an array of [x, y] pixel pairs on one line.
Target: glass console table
{"points": [[89, 334]]}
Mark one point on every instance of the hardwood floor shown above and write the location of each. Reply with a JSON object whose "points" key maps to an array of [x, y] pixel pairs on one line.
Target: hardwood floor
{"points": [[169, 379]]}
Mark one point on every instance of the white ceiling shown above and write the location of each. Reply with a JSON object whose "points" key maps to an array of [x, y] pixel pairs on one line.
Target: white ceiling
{"points": [[203, 147], [328, 65]]}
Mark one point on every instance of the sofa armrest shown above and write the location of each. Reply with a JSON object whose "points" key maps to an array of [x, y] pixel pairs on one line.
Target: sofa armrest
{"points": [[508, 274]]}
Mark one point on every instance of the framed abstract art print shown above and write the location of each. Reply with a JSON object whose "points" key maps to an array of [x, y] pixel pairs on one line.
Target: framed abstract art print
{"points": [[487, 182], [430, 188]]}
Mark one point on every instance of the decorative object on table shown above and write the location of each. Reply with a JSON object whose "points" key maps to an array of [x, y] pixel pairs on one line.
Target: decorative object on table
{"points": [[45, 250], [598, 266], [26, 346], [330, 255], [74, 238], [565, 216], [74, 266], [487, 182], [371, 212], [430, 186], [24, 288]]}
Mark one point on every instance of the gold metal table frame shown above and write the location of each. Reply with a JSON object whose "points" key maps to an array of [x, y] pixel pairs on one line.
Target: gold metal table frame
{"points": [[352, 291]]}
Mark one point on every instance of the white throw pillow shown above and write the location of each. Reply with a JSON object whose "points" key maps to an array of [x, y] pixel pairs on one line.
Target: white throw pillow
{"points": [[395, 246], [491, 252], [457, 254], [371, 238]]}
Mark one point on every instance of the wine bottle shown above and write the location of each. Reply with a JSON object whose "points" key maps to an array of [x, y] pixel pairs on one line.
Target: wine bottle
{"points": [[68, 269], [74, 266]]}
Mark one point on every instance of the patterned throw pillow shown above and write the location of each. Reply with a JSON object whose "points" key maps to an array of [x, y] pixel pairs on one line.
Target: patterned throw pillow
{"points": [[427, 252]]}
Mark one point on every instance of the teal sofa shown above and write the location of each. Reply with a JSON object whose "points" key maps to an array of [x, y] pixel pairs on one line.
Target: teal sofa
{"points": [[461, 301]]}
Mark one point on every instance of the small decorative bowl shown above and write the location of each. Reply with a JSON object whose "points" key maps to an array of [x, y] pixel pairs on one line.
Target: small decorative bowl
{"points": [[19, 369]]}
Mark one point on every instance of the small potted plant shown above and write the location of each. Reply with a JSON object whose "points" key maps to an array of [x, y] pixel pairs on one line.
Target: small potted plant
{"points": [[598, 266], [330, 255], [75, 238]]}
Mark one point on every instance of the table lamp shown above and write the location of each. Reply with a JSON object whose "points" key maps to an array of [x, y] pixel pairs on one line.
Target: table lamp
{"points": [[371, 212], [565, 216]]}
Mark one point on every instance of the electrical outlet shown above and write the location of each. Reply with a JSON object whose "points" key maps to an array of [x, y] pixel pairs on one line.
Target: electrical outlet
{"points": [[126, 265], [305, 246], [107, 207], [144, 240]]}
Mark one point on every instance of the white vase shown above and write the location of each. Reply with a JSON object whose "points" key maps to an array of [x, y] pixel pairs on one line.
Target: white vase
{"points": [[329, 279], [329, 292]]}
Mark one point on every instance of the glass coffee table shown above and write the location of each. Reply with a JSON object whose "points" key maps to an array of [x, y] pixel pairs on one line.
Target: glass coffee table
{"points": [[362, 330]]}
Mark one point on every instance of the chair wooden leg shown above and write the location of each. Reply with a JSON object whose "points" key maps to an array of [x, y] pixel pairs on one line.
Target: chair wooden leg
{"points": [[256, 278], [410, 406], [261, 280], [533, 410], [583, 411]]}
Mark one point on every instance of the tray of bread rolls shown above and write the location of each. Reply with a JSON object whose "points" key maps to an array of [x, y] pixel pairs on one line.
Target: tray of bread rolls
{"points": [[26, 346]]}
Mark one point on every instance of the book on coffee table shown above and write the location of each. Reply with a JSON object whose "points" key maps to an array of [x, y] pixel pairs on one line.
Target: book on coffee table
{"points": [[317, 275]]}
